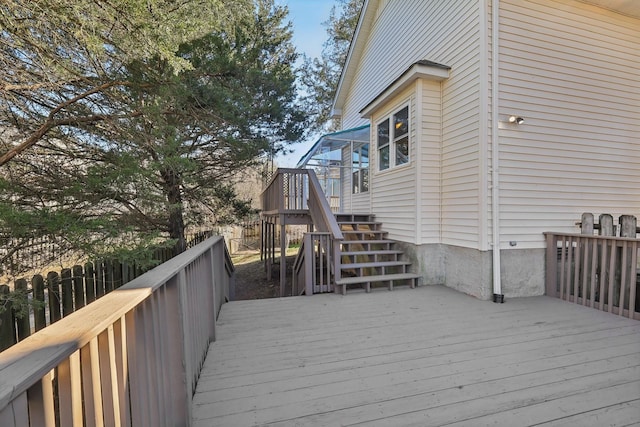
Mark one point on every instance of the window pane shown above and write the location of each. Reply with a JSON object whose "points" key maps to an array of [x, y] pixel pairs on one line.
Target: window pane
{"points": [[364, 183], [384, 158], [355, 184], [356, 157], [401, 122], [402, 151], [383, 134], [335, 187], [364, 156]]}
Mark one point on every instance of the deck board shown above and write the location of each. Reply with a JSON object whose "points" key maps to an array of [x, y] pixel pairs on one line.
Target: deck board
{"points": [[425, 356]]}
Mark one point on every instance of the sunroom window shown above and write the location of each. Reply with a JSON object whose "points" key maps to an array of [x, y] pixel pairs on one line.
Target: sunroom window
{"points": [[383, 145], [360, 169], [393, 140]]}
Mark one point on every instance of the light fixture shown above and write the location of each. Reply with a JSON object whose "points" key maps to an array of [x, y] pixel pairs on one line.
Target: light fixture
{"points": [[516, 119]]}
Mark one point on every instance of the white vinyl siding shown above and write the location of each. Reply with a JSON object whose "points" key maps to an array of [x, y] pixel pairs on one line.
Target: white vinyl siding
{"points": [[393, 191], [573, 72], [429, 170], [452, 39]]}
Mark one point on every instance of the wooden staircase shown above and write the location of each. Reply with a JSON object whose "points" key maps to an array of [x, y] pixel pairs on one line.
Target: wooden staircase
{"points": [[368, 258]]}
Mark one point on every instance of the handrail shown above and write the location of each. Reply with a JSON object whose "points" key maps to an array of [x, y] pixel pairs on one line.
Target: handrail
{"points": [[280, 171], [327, 220], [132, 358], [594, 236], [288, 194], [298, 191]]}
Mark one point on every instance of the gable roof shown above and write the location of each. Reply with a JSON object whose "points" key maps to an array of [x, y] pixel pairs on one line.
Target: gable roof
{"points": [[356, 48]]}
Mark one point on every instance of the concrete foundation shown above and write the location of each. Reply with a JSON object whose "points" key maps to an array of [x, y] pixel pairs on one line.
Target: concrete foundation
{"points": [[470, 270], [426, 260]]}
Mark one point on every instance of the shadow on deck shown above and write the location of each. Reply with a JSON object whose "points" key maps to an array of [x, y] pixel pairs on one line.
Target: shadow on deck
{"points": [[429, 356]]}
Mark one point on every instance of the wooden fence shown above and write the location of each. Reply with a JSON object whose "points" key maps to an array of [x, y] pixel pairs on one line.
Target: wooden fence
{"points": [[59, 294], [134, 359], [19, 255]]}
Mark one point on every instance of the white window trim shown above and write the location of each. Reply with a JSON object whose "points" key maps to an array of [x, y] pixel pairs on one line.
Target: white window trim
{"points": [[393, 140]]}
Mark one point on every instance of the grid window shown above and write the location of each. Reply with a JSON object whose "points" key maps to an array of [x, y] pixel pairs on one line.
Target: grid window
{"points": [[393, 140]]}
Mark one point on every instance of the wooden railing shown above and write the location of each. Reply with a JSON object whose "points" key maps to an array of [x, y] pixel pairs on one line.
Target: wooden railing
{"points": [[312, 269], [298, 191], [596, 271], [132, 358], [59, 294], [324, 221], [287, 191]]}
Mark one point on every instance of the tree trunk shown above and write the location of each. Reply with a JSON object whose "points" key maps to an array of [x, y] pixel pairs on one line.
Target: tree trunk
{"points": [[174, 198]]}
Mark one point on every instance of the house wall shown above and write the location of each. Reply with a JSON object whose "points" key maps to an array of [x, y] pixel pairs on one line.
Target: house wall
{"points": [[453, 40], [429, 133], [572, 71], [393, 197]]}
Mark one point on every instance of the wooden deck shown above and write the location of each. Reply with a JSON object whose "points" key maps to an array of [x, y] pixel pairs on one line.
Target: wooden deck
{"points": [[426, 357]]}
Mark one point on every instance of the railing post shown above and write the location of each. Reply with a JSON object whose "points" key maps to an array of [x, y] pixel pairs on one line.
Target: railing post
{"points": [[552, 265], [215, 275], [309, 274], [187, 341], [635, 283], [586, 223], [178, 357], [606, 225], [337, 268], [628, 225]]}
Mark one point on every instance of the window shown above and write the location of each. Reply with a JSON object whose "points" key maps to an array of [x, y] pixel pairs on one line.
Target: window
{"points": [[360, 169], [393, 141], [383, 145]]}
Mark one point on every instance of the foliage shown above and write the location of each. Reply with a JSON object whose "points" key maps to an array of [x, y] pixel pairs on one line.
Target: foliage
{"points": [[136, 138], [320, 76], [20, 302], [62, 61]]}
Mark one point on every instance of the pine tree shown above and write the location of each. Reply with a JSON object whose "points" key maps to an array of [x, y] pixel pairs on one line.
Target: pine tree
{"points": [[139, 146], [320, 76]]}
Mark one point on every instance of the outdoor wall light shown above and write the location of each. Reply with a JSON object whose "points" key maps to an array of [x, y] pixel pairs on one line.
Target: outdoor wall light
{"points": [[516, 119]]}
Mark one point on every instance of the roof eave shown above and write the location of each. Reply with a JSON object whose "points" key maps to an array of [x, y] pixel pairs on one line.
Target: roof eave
{"points": [[420, 70], [355, 50]]}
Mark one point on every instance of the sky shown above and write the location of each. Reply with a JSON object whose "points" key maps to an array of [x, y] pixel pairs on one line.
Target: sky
{"points": [[309, 35]]}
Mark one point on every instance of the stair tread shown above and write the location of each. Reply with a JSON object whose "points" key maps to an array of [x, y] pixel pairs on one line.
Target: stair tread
{"points": [[373, 252], [359, 223], [377, 241], [363, 231], [375, 264], [379, 278]]}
